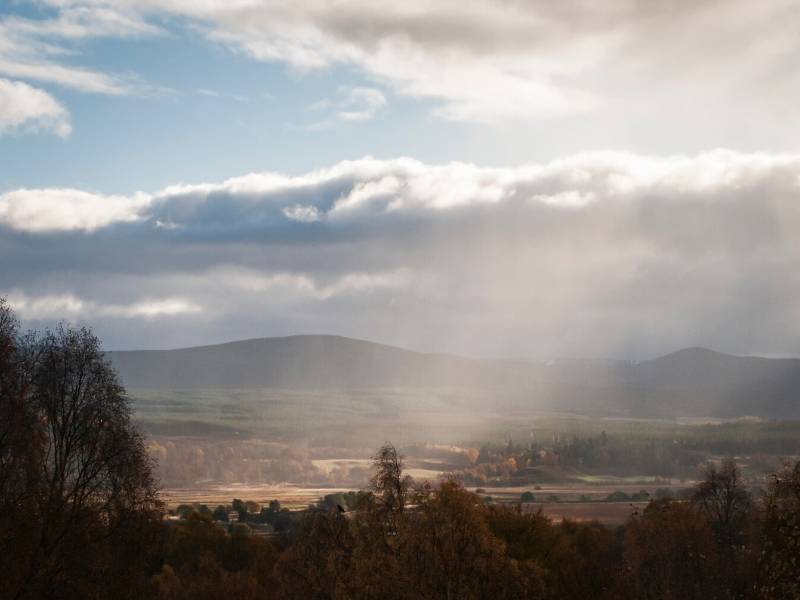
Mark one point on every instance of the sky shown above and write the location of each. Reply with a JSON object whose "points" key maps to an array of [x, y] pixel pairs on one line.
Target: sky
{"points": [[484, 177]]}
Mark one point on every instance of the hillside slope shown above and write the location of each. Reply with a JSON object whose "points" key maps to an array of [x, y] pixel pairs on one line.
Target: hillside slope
{"points": [[687, 383], [304, 361]]}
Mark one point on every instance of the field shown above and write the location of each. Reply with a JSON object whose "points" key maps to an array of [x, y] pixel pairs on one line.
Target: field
{"points": [[294, 446], [296, 498], [364, 419], [291, 497]]}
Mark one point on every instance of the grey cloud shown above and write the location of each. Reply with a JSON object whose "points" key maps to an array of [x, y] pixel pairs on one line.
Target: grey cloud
{"points": [[599, 254]]}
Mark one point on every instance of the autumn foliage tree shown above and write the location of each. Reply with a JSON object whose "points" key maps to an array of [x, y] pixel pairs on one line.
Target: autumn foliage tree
{"points": [[403, 543], [670, 553], [447, 550]]}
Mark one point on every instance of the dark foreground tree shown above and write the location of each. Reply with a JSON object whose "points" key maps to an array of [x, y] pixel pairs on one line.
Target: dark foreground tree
{"points": [[447, 550], [670, 554], [723, 498], [79, 501], [779, 566], [21, 436]]}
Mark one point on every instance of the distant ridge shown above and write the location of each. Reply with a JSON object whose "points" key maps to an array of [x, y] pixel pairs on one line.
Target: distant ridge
{"points": [[688, 382], [300, 361]]}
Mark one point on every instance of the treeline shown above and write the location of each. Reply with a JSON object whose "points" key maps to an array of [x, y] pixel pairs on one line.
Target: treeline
{"points": [[273, 515], [80, 519], [673, 457], [403, 541]]}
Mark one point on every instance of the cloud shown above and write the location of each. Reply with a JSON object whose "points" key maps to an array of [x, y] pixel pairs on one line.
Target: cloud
{"points": [[361, 104], [26, 108], [612, 66], [298, 212], [488, 61], [84, 20], [34, 49], [68, 306], [223, 95], [602, 253], [368, 194], [297, 286], [45, 210], [354, 104], [469, 56]]}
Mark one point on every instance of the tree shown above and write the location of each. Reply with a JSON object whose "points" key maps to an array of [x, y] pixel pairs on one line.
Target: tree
{"points": [[670, 553], [527, 535], [527, 497], [191, 541], [723, 498], [447, 550], [583, 562], [388, 483], [21, 432], [389, 486], [320, 562], [87, 481], [21, 436], [9, 327], [240, 507], [779, 563], [334, 501], [220, 514], [17, 420]]}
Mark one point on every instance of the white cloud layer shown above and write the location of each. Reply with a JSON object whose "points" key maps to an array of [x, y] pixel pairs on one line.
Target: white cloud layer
{"points": [[373, 193], [66, 210], [26, 108], [597, 253]]}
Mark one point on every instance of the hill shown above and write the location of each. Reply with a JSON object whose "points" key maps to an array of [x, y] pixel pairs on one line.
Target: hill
{"points": [[694, 382], [701, 381], [305, 362]]}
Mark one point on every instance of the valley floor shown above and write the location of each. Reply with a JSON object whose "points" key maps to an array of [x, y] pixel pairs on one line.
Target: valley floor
{"points": [[562, 501]]}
